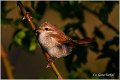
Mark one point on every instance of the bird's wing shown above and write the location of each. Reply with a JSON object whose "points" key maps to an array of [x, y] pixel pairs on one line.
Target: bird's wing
{"points": [[61, 38]]}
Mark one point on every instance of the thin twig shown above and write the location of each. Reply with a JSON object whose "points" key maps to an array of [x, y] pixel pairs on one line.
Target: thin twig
{"points": [[47, 56], [8, 67]]}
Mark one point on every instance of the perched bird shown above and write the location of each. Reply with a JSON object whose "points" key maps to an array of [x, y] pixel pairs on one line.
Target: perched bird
{"points": [[55, 42]]}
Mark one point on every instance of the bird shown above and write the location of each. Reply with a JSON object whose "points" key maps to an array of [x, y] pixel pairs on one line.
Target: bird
{"points": [[55, 41]]}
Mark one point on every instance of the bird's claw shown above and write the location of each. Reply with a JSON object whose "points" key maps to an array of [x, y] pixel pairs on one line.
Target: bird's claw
{"points": [[50, 61]]}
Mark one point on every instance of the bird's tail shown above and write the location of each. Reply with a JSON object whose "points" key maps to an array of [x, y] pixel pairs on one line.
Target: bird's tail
{"points": [[82, 41]]}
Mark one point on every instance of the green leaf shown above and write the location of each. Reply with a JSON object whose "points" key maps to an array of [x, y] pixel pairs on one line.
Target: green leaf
{"points": [[18, 41], [28, 42], [33, 45], [36, 16], [19, 36]]}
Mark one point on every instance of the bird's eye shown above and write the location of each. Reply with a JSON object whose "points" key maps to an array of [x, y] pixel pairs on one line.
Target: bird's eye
{"points": [[46, 29]]}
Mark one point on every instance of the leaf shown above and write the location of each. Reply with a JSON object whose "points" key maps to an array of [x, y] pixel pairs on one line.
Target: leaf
{"points": [[19, 36], [88, 72], [68, 62], [33, 45], [56, 5], [115, 41], [107, 51], [73, 27], [105, 10], [82, 30], [40, 9], [70, 27], [81, 53], [36, 15], [102, 56], [113, 68], [109, 6], [103, 17], [78, 12], [98, 33], [65, 9], [81, 57], [94, 46]]}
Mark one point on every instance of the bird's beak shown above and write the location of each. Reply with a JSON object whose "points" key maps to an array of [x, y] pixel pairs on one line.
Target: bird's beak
{"points": [[39, 30]]}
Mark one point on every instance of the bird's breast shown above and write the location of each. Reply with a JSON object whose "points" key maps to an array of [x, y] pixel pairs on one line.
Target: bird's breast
{"points": [[48, 41]]}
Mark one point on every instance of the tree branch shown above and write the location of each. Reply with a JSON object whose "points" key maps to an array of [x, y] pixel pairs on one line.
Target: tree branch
{"points": [[47, 56], [8, 67]]}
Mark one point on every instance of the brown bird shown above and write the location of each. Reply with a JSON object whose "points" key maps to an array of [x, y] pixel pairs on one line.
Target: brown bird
{"points": [[55, 42]]}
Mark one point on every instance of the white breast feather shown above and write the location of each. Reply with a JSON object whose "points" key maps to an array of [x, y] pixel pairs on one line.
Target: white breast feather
{"points": [[50, 44]]}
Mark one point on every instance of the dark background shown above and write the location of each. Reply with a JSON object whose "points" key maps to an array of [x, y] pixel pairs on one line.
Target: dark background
{"points": [[98, 20]]}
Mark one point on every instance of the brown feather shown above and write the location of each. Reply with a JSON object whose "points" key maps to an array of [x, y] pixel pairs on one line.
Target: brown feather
{"points": [[61, 39], [84, 41]]}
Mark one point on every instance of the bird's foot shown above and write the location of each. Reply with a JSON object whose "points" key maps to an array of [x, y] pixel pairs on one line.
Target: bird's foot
{"points": [[50, 61]]}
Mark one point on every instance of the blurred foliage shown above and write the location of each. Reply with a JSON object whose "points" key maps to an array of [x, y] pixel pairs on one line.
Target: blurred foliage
{"points": [[98, 33], [105, 10], [72, 9], [4, 12], [24, 37]]}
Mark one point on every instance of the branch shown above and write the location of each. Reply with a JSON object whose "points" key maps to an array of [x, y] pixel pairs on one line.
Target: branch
{"points": [[47, 56], [6, 63], [97, 15]]}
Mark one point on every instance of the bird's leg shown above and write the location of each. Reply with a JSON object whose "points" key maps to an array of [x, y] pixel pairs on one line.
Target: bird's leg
{"points": [[50, 60]]}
